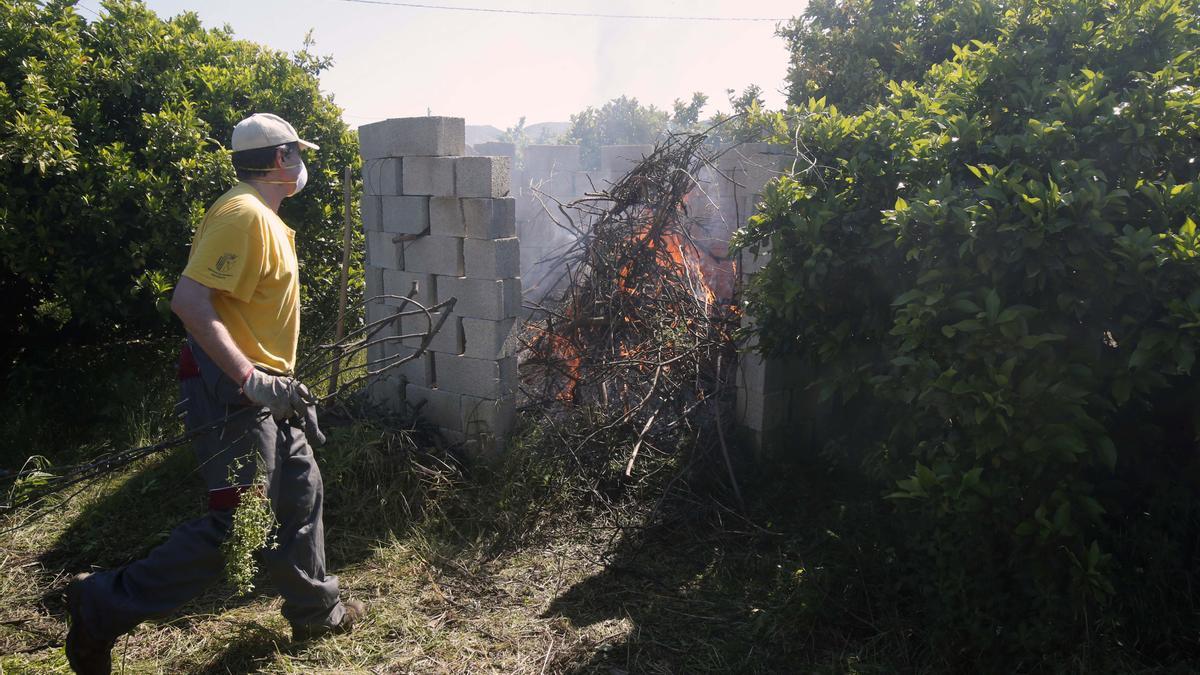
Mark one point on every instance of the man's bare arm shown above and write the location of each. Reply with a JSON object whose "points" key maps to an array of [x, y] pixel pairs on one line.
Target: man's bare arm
{"points": [[192, 303]]}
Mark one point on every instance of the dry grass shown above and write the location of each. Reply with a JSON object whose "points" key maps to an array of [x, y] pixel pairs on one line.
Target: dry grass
{"points": [[532, 566], [512, 570]]}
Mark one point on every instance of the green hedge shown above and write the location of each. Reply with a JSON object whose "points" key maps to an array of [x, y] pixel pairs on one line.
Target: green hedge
{"points": [[113, 142], [994, 276]]}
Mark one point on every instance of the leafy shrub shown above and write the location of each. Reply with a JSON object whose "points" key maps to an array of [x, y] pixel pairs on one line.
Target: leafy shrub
{"points": [[112, 144], [848, 50], [994, 278]]}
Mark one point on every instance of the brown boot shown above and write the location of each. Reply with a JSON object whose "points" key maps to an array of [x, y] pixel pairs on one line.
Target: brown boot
{"points": [[87, 654], [354, 612]]}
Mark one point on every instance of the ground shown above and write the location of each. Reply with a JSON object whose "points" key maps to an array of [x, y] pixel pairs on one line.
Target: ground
{"points": [[509, 570], [542, 562]]}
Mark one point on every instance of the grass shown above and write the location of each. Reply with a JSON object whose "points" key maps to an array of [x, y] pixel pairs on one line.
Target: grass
{"points": [[519, 567], [516, 568]]}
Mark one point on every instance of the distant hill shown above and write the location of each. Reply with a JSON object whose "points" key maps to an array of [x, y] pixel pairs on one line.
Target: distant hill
{"points": [[542, 132], [546, 132], [482, 133]]}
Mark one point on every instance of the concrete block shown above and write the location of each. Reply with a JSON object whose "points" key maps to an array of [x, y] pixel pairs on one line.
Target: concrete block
{"points": [[446, 217], [448, 339], [620, 159], [376, 311], [398, 283], [753, 373], [400, 137], [590, 181], [383, 251], [526, 207], [760, 170], [493, 299], [442, 408], [386, 392], [562, 187], [752, 262], [512, 297], [482, 176], [747, 205], [545, 160], [405, 215], [485, 417], [484, 339], [495, 149], [455, 437], [375, 286], [376, 335], [417, 369], [381, 176], [492, 258], [762, 412], [484, 378], [429, 176], [490, 218], [752, 165], [375, 355], [378, 328], [372, 213], [434, 255]]}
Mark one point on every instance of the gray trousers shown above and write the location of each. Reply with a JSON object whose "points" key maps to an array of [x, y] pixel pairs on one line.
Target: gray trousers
{"points": [[115, 601]]}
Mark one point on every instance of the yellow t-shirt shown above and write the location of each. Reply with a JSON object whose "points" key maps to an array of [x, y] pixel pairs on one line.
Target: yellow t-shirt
{"points": [[245, 251]]}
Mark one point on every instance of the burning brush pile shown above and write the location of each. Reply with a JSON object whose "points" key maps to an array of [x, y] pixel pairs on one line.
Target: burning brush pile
{"points": [[632, 353]]}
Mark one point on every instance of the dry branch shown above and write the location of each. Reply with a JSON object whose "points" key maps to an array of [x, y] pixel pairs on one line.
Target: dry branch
{"points": [[633, 330]]}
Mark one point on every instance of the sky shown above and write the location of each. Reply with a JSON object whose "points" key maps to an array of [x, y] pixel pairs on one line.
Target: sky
{"points": [[493, 68]]}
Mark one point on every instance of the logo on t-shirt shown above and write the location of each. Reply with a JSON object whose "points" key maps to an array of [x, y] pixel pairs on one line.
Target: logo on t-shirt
{"points": [[221, 269]]}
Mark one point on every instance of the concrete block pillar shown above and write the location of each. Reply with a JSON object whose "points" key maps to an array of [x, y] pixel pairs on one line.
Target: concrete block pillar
{"points": [[770, 391], [442, 222]]}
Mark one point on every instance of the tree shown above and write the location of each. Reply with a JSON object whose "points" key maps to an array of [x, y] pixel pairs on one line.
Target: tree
{"points": [[848, 50], [991, 274], [621, 121], [111, 146], [686, 116], [519, 137]]}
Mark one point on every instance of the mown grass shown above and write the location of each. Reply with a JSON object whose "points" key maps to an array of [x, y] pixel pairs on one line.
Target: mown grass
{"points": [[537, 563]]}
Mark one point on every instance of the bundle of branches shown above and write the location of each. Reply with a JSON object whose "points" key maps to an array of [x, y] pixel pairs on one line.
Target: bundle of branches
{"points": [[632, 343]]}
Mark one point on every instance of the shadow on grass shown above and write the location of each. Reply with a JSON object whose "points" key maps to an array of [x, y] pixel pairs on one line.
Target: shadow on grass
{"points": [[131, 514], [247, 651], [713, 597]]}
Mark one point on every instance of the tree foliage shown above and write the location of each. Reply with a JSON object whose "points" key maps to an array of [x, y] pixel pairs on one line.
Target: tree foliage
{"points": [[113, 144], [848, 50], [624, 121], [993, 276]]}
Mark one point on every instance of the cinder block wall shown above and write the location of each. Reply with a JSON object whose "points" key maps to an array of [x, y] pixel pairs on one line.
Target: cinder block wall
{"points": [[442, 225]]}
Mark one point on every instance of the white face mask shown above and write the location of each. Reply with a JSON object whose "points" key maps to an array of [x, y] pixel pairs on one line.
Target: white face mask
{"points": [[301, 180]]}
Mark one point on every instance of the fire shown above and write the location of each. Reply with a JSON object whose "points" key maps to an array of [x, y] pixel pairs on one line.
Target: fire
{"points": [[646, 301], [709, 271]]}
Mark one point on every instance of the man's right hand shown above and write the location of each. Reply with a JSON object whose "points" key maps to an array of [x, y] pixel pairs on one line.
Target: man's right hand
{"points": [[285, 397], [276, 392]]}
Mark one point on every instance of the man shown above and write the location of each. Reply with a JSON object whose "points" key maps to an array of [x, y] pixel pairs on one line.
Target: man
{"points": [[239, 299]]}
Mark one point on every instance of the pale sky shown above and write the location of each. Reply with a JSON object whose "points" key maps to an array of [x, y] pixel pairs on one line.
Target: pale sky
{"points": [[492, 68]]}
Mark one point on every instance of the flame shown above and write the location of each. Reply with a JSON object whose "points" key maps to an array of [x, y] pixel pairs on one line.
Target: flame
{"points": [[681, 246]]}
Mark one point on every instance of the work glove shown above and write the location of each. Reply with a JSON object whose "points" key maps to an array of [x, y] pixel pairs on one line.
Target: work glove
{"points": [[306, 404], [285, 397], [274, 392]]}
